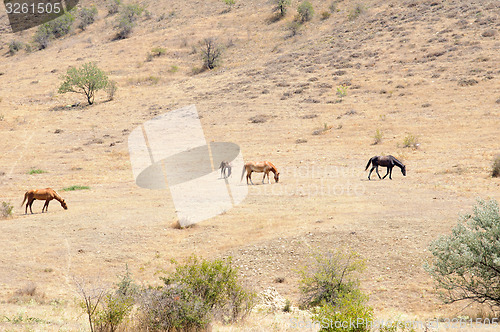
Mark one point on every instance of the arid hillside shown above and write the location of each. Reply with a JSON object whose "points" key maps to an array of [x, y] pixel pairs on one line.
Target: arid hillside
{"points": [[416, 79]]}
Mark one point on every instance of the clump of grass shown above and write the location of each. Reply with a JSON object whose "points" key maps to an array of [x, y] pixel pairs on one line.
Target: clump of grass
{"points": [[36, 171], [341, 92], [378, 137], [325, 15], [356, 11], [6, 210], [158, 51], [411, 141], [76, 187], [173, 69], [496, 167], [288, 306], [111, 90], [28, 293], [15, 46]]}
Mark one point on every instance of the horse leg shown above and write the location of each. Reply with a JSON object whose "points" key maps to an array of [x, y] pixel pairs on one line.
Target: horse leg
{"points": [[265, 173], [370, 172], [390, 173], [30, 204], [249, 176], [388, 169], [376, 170]]}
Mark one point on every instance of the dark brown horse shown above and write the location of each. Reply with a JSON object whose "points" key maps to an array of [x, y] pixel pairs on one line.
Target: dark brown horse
{"points": [[46, 195], [385, 161], [225, 165], [259, 167]]}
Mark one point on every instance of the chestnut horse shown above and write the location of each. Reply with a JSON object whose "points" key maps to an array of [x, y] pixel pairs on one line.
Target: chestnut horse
{"points": [[259, 167], [46, 194], [385, 161]]}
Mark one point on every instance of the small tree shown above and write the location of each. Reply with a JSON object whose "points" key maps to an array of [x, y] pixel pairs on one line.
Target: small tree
{"points": [[210, 53], [305, 11], [466, 263], [127, 20], [282, 5], [85, 80], [331, 276]]}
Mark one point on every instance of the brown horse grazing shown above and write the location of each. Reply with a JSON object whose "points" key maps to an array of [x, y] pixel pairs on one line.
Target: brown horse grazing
{"points": [[225, 165], [385, 161], [46, 194], [259, 167]]}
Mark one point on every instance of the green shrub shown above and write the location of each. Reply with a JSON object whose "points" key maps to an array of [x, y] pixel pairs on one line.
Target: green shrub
{"points": [[6, 210], [195, 294], [496, 167], [56, 28], [73, 188], [15, 46], [36, 171], [127, 20], [466, 263], [87, 16], [351, 313], [355, 12], [281, 6], [86, 80], [378, 137], [305, 12], [113, 6], [325, 15], [158, 51], [330, 277], [116, 306], [410, 141]]}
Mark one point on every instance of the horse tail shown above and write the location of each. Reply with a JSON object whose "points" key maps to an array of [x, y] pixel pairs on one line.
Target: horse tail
{"points": [[243, 172], [369, 162], [25, 198]]}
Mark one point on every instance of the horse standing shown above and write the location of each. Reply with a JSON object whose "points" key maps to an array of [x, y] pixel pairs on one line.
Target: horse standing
{"points": [[259, 167], [225, 165], [46, 194], [385, 161]]}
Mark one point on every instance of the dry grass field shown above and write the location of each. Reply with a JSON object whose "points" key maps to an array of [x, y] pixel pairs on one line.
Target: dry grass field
{"points": [[428, 69]]}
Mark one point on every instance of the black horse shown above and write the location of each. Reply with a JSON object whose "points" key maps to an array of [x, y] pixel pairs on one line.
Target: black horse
{"points": [[385, 161]]}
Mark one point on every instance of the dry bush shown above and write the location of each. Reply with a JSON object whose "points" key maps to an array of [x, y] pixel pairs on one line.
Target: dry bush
{"points": [[258, 118], [5, 208], [28, 294], [496, 167]]}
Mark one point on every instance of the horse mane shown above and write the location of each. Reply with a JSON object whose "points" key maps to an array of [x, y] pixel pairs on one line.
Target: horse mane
{"points": [[397, 162], [273, 168]]}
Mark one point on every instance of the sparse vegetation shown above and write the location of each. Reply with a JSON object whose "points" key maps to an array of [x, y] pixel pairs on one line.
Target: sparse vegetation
{"points": [[332, 7], [305, 12], [288, 306], [113, 6], [329, 277], [281, 6], [356, 12], [127, 20], [341, 92], [56, 28], [466, 263], [378, 137], [331, 285], [158, 51], [229, 3], [173, 69], [36, 171], [87, 16], [411, 141], [293, 27], [76, 187], [197, 292], [325, 15], [210, 53], [15, 46], [86, 80], [111, 89], [6, 210], [496, 167]]}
